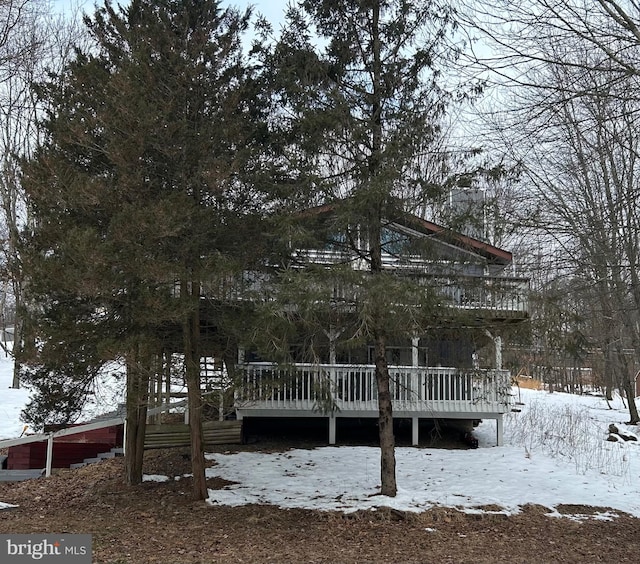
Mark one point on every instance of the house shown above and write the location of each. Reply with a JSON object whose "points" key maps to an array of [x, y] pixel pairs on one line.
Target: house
{"points": [[452, 371]]}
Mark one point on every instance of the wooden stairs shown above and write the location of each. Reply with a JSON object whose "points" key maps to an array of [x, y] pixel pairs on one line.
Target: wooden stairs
{"points": [[113, 453]]}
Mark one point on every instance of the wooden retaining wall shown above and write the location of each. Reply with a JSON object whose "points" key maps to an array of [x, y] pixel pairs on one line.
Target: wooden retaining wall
{"points": [[178, 434]]}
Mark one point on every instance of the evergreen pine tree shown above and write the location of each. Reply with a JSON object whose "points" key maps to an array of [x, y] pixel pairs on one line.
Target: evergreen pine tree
{"points": [[140, 197], [359, 82]]}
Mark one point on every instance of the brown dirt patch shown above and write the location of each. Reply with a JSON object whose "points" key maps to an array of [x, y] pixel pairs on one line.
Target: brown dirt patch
{"points": [[159, 523]]}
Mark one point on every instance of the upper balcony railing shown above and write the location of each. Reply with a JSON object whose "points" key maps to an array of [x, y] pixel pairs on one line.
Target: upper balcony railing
{"points": [[496, 294], [493, 295]]}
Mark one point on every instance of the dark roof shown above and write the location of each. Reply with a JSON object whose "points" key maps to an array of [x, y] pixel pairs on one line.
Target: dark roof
{"points": [[495, 254]]}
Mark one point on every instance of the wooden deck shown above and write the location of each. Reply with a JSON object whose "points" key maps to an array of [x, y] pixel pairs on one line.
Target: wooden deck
{"points": [[311, 390]]}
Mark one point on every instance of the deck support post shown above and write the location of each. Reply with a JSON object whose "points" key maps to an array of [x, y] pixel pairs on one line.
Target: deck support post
{"points": [[415, 361], [415, 438], [333, 334], [498, 343], [500, 431], [332, 347], [332, 430]]}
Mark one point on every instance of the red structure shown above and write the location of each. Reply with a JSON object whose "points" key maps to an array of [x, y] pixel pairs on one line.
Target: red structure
{"points": [[67, 450]]}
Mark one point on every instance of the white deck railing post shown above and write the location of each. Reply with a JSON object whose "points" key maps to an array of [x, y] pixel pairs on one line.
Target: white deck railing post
{"points": [[49, 455]]}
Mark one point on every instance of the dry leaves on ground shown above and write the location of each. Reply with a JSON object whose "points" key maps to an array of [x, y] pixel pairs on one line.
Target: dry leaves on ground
{"points": [[159, 523]]}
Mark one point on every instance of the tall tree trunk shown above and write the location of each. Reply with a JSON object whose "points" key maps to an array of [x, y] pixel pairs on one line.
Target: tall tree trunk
{"points": [[631, 393], [628, 386], [136, 419], [385, 408], [191, 331], [17, 344]]}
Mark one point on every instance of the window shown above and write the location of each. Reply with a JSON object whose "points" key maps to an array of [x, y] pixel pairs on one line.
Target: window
{"points": [[393, 242]]}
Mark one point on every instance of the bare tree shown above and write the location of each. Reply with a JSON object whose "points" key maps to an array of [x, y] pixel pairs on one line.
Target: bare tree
{"points": [[33, 41], [571, 71], [516, 38]]}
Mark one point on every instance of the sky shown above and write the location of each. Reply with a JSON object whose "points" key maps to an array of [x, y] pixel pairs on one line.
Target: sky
{"points": [[273, 10], [555, 453]]}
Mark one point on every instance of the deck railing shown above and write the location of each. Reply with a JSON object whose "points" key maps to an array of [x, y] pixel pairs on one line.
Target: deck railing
{"points": [[497, 294], [313, 387], [462, 290]]}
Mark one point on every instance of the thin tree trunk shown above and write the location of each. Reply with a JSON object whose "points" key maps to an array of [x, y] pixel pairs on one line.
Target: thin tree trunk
{"points": [[17, 340], [385, 421], [633, 409], [629, 388], [136, 420], [192, 376]]}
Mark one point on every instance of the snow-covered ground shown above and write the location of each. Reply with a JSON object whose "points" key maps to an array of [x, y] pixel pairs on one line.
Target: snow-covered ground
{"points": [[11, 401], [108, 392], [555, 453], [542, 463]]}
